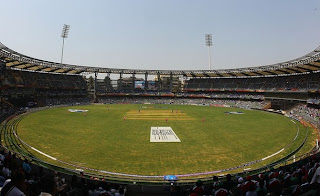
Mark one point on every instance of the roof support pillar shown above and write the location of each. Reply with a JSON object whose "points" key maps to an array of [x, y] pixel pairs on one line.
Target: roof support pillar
{"points": [[159, 82], [120, 82], [171, 84], [146, 81], [95, 88], [133, 81]]}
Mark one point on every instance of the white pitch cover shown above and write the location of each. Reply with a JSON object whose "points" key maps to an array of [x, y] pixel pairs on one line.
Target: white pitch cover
{"points": [[163, 134]]}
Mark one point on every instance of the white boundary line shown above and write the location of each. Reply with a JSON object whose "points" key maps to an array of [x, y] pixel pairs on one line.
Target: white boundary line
{"points": [[145, 176], [274, 154], [53, 158]]}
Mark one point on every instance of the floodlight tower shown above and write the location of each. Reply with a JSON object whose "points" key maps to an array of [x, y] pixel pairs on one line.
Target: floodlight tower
{"points": [[64, 34], [208, 38]]}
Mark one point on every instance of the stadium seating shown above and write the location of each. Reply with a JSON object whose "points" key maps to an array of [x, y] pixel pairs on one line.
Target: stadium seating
{"points": [[22, 87], [303, 82], [6, 109]]}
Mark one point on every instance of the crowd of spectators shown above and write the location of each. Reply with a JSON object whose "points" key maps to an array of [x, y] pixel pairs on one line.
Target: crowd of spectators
{"points": [[185, 101], [300, 179], [23, 178], [37, 80], [36, 87], [224, 95], [6, 109], [241, 104], [277, 83], [314, 100], [307, 113], [23, 87], [61, 92], [191, 94], [19, 177], [52, 101]]}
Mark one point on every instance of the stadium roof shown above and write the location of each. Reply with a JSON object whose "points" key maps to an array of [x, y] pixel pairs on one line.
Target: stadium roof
{"points": [[308, 63]]}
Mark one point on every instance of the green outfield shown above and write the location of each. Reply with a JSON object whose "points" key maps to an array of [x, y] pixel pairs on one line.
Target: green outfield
{"points": [[210, 139]]}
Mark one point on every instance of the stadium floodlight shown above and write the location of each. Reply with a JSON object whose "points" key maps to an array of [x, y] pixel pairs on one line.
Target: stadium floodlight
{"points": [[208, 38], [64, 34]]}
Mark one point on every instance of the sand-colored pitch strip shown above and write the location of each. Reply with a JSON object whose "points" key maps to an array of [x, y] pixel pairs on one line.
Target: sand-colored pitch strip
{"points": [[157, 115]]}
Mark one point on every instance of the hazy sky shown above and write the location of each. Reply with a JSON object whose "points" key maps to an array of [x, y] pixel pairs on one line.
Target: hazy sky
{"points": [[162, 34]]}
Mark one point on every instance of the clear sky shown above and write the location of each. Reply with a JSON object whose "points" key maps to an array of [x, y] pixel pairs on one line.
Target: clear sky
{"points": [[162, 34]]}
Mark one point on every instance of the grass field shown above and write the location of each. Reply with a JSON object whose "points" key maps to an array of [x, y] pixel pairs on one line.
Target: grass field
{"points": [[103, 140]]}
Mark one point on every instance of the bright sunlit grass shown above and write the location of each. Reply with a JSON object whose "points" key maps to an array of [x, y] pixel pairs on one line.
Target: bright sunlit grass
{"points": [[210, 139]]}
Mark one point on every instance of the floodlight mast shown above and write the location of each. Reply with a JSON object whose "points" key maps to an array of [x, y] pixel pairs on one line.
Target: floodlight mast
{"points": [[208, 38], [64, 34]]}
